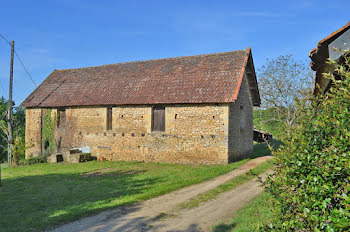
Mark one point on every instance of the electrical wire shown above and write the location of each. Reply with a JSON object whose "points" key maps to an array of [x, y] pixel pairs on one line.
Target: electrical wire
{"points": [[2, 86], [24, 67], [5, 39]]}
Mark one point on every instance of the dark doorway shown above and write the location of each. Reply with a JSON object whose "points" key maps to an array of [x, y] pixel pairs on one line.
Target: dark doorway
{"points": [[59, 158]]}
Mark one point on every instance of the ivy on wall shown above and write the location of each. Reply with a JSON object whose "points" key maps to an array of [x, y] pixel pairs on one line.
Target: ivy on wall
{"points": [[48, 133]]}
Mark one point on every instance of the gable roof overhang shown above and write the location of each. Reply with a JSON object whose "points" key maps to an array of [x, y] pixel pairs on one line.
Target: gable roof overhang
{"points": [[252, 81], [211, 78], [320, 55]]}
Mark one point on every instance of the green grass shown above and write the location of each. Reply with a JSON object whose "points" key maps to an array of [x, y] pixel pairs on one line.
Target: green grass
{"points": [[249, 218], [262, 149], [40, 196], [227, 186]]}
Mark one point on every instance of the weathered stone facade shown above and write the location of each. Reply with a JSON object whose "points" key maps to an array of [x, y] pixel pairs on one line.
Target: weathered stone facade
{"points": [[131, 137], [240, 142], [33, 132]]}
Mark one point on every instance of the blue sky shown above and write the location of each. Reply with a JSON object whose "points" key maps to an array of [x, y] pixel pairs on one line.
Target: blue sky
{"points": [[61, 34]]}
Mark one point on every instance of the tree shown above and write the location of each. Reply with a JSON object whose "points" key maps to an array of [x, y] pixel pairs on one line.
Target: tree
{"points": [[281, 81], [310, 185], [263, 122], [18, 126]]}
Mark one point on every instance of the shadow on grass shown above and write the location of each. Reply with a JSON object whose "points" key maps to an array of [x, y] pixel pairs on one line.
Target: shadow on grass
{"points": [[36, 202], [262, 149], [224, 227]]}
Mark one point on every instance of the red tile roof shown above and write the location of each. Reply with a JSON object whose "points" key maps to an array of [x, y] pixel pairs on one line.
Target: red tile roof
{"points": [[212, 78]]}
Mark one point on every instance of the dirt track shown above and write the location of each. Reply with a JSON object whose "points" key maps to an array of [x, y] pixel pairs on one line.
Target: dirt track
{"points": [[161, 213]]}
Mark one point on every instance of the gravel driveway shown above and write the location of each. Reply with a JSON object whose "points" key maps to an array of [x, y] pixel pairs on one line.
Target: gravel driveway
{"points": [[162, 214]]}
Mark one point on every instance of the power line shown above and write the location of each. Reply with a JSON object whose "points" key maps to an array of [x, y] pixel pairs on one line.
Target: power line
{"points": [[5, 39], [24, 67], [2, 86]]}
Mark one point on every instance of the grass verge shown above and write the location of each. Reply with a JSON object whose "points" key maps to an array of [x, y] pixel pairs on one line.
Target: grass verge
{"points": [[227, 186], [250, 217], [40, 196]]}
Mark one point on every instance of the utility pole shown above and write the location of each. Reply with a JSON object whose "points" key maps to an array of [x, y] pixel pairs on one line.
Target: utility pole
{"points": [[9, 112]]}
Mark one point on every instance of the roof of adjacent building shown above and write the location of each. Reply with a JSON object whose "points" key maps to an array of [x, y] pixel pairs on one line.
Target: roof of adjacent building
{"points": [[320, 54], [211, 78]]}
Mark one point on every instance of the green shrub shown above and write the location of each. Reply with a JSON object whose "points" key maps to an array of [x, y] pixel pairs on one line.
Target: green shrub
{"points": [[84, 157], [18, 150], [33, 160], [310, 186]]}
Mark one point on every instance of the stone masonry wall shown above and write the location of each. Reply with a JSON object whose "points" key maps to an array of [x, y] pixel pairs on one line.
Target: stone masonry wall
{"points": [[33, 132], [194, 133], [240, 143]]}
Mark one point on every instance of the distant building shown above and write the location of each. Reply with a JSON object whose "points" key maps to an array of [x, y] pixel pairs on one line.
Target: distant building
{"points": [[261, 136], [195, 109], [339, 39]]}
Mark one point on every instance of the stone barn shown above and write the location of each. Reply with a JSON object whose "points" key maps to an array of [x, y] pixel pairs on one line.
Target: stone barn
{"points": [[192, 109]]}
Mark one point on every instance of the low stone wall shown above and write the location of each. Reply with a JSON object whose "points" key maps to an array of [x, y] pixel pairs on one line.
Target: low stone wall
{"points": [[66, 157]]}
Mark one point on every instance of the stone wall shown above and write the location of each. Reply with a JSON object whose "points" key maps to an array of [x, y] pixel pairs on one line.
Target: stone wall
{"points": [[240, 143], [193, 133], [33, 132]]}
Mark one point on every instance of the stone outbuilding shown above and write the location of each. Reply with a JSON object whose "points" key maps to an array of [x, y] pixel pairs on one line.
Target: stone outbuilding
{"points": [[193, 109], [331, 47]]}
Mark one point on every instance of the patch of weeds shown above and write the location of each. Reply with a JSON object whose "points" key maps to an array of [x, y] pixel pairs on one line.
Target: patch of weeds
{"points": [[162, 216], [224, 227]]}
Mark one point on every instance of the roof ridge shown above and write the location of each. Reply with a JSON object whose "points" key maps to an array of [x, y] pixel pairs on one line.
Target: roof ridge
{"points": [[334, 33], [158, 59], [241, 75]]}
